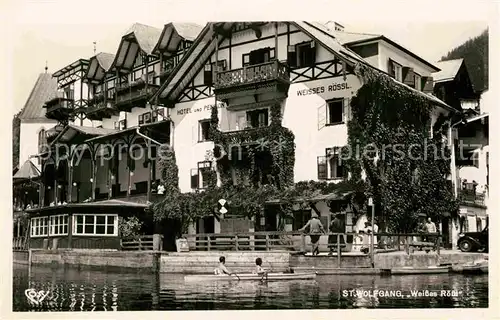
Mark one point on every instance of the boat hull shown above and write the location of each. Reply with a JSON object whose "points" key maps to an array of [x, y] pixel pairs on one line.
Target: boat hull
{"points": [[252, 277], [398, 271]]}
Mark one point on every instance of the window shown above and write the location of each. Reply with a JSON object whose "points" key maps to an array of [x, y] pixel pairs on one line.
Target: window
{"points": [[335, 168], [335, 111], [39, 227], [395, 70], [258, 56], [330, 166], [208, 72], [204, 130], [69, 91], [306, 54], [158, 114], [58, 225], [258, 118], [418, 82], [138, 60], [199, 175], [95, 224], [42, 140], [121, 125]]}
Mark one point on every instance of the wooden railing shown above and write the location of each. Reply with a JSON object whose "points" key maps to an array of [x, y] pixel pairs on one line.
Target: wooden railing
{"points": [[20, 243], [60, 103], [143, 243], [126, 96], [471, 196], [273, 70], [296, 241]]}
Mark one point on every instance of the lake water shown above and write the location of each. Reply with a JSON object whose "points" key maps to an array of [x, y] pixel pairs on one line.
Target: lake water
{"points": [[74, 290]]}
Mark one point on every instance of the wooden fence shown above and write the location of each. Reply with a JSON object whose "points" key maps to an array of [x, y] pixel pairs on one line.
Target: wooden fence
{"points": [[297, 241], [143, 243], [20, 243]]}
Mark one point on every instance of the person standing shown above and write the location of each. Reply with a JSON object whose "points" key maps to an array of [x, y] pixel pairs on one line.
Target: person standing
{"points": [[336, 226], [315, 230], [431, 228]]}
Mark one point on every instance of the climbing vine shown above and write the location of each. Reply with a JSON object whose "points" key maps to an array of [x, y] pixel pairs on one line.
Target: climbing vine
{"points": [[389, 140]]}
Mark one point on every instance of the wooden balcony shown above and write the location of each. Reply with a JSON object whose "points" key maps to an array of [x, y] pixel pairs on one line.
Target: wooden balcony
{"points": [[59, 108], [471, 197], [133, 95], [273, 75], [100, 108]]}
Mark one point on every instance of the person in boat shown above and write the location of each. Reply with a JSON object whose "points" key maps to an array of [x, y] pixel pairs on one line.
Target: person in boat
{"points": [[221, 269], [258, 267], [315, 230]]}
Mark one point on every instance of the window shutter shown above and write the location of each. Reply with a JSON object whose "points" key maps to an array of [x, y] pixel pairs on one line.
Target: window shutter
{"points": [[322, 116], [322, 168], [246, 59], [141, 119], [346, 113], [389, 68], [409, 76], [194, 178], [312, 53], [194, 135], [428, 86], [292, 56], [207, 75]]}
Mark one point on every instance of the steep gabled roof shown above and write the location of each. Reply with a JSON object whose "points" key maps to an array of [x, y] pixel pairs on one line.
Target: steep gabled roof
{"points": [[449, 70], [105, 60], [146, 36], [45, 88], [139, 37], [204, 45], [173, 33], [99, 65]]}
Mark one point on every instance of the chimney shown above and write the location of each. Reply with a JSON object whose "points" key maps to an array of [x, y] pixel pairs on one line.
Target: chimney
{"points": [[334, 26]]}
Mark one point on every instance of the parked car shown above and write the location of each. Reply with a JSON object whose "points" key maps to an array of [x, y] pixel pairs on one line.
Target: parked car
{"points": [[473, 241]]}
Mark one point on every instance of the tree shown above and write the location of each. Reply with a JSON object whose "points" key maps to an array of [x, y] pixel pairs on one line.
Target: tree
{"points": [[388, 139], [16, 133], [475, 54]]}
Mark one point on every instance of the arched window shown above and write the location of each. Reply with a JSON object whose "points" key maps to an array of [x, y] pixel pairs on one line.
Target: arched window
{"points": [[42, 139]]}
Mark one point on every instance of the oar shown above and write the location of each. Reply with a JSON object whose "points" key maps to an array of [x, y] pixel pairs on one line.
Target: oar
{"points": [[234, 274]]}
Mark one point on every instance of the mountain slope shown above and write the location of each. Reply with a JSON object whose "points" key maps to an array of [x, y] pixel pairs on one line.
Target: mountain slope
{"points": [[475, 53]]}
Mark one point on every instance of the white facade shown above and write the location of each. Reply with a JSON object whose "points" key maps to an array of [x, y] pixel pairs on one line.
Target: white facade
{"points": [[28, 141]]}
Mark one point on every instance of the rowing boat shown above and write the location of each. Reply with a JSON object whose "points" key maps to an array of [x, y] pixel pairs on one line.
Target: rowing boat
{"points": [[251, 277], [411, 270]]}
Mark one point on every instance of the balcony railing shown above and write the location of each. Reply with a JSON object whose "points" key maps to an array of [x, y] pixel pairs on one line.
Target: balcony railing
{"points": [[59, 108], [467, 196], [264, 72], [134, 93], [100, 108]]}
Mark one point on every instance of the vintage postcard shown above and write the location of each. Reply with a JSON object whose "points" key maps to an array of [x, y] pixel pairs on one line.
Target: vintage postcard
{"points": [[162, 162]]}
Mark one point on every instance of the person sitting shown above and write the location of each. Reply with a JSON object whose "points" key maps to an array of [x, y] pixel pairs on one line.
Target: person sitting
{"points": [[221, 269], [258, 267]]}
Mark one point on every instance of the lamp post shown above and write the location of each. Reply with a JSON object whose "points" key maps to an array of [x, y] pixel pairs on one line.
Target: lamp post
{"points": [[372, 244]]}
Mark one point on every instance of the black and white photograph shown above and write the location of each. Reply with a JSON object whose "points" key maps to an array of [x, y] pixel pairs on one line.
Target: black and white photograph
{"points": [[162, 162]]}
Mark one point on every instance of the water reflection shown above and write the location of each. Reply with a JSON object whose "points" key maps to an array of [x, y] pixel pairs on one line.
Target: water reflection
{"points": [[73, 290]]}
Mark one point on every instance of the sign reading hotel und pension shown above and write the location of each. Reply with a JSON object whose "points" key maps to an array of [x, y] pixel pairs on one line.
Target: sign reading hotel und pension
{"points": [[335, 86], [207, 107]]}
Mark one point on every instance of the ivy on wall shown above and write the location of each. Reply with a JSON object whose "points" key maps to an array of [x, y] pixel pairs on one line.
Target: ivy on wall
{"points": [[389, 140]]}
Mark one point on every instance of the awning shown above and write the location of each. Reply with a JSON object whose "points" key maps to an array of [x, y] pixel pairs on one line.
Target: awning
{"points": [[323, 197], [27, 171], [137, 203], [125, 131]]}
